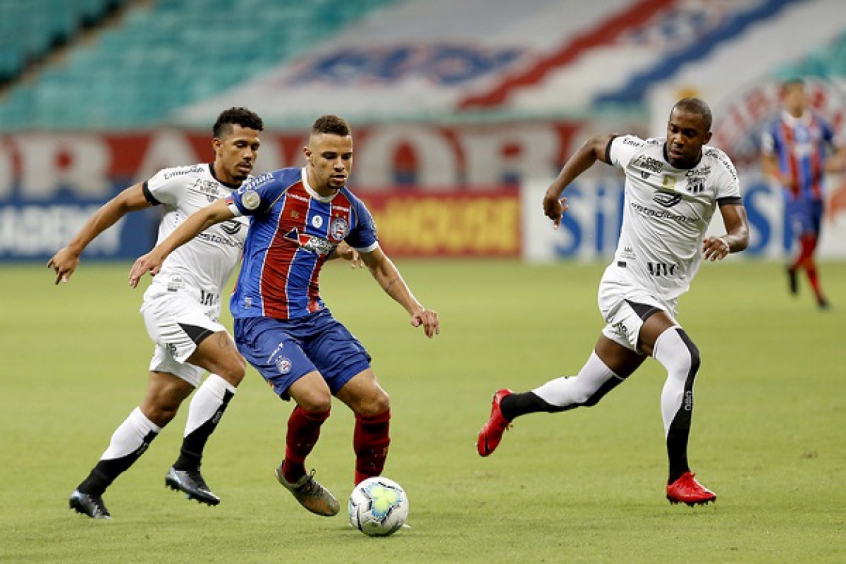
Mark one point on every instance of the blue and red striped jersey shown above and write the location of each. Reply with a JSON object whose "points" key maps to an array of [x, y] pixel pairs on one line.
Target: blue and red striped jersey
{"points": [[293, 230], [801, 145]]}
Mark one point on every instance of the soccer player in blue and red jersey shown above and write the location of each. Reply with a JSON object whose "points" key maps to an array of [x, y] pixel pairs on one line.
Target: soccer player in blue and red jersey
{"points": [[282, 327], [795, 150]]}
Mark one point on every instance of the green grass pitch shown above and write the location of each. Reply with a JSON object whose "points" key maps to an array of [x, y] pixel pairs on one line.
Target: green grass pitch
{"points": [[583, 486]]}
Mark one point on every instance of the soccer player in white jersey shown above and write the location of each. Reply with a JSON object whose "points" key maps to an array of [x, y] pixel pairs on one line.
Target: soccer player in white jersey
{"points": [[673, 186], [181, 309]]}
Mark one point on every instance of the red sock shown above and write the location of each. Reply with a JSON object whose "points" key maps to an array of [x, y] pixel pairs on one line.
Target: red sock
{"points": [[807, 246], [806, 260], [370, 442], [303, 432]]}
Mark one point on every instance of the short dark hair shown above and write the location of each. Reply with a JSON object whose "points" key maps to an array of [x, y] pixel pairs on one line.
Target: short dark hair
{"points": [[332, 125], [236, 116], [793, 81], [696, 106]]}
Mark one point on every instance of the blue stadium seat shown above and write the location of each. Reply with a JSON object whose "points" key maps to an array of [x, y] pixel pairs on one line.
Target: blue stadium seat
{"points": [[162, 56]]}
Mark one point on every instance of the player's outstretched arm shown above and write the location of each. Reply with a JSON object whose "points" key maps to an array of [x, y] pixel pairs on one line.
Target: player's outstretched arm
{"points": [[390, 280], [735, 240], [592, 150], [65, 261], [196, 223]]}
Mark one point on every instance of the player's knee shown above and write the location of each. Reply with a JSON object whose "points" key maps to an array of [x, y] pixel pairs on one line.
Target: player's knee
{"points": [[374, 402], [234, 370], [315, 401], [159, 413]]}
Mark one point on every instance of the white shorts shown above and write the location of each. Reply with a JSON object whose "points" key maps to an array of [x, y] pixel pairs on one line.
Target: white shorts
{"points": [[177, 323], [625, 304]]}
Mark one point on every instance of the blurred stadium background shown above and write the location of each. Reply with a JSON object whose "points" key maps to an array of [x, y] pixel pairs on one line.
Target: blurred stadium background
{"points": [[463, 110]]}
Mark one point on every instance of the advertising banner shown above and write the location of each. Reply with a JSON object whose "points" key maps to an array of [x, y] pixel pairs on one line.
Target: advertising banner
{"points": [[590, 228]]}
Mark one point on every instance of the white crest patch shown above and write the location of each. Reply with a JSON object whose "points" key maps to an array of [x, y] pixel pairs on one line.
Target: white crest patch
{"points": [[317, 221], [283, 364], [250, 199]]}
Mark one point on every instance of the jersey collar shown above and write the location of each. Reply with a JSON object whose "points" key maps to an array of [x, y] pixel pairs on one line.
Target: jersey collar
{"points": [[312, 192], [228, 185]]}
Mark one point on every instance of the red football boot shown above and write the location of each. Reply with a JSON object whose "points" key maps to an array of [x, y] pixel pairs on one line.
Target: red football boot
{"points": [[687, 490], [491, 433]]}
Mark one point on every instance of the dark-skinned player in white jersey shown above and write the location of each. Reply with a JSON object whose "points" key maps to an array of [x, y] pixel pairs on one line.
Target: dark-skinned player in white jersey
{"points": [[673, 186]]}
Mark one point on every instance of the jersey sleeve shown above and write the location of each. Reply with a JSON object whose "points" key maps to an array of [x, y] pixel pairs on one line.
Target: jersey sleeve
{"points": [[768, 140], [829, 135], [728, 187], [362, 235], [164, 187], [255, 196], [622, 149]]}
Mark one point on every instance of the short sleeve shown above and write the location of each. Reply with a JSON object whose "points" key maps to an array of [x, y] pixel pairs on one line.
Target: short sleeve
{"points": [[362, 236], [622, 149], [164, 187], [254, 196]]}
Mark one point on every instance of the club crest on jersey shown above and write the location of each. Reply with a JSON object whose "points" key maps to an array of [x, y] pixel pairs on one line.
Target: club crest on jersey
{"points": [[283, 364], [317, 221], [338, 229], [250, 199]]}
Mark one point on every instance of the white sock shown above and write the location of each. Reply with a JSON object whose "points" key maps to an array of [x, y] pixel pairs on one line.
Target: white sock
{"points": [[206, 401], [580, 389], [681, 359], [130, 435]]}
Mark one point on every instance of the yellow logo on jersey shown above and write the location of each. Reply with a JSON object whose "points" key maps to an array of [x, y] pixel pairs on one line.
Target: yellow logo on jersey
{"points": [[668, 183]]}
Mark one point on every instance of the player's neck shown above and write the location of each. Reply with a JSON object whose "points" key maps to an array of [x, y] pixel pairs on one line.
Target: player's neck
{"points": [[220, 174]]}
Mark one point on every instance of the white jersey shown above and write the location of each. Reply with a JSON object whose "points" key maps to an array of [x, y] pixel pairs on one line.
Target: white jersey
{"points": [[667, 211], [202, 266]]}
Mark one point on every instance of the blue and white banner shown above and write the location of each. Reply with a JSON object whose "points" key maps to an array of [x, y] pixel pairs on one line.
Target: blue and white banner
{"points": [[590, 228]]}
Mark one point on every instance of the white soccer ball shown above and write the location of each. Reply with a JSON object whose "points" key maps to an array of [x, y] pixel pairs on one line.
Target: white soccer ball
{"points": [[378, 507]]}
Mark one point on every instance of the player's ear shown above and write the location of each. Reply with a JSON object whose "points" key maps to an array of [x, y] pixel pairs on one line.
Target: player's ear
{"points": [[707, 137], [307, 152]]}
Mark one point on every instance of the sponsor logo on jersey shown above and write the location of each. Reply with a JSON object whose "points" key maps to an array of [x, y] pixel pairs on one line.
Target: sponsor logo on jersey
{"points": [[175, 283], [231, 227], [666, 199], [660, 214], [699, 172], [649, 164], [261, 180], [662, 268], [182, 171], [310, 243], [250, 199], [220, 239], [208, 187], [297, 197]]}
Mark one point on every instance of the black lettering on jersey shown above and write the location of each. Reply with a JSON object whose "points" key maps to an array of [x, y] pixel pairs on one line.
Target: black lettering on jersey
{"points": [[661, 269], [649, 164]]}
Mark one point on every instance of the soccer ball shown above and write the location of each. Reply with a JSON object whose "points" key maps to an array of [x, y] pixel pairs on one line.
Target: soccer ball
{"points": [[378, 507]]}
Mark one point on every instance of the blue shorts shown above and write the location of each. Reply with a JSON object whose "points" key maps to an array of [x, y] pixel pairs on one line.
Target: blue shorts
{"points": [[285, 350], [804, 216]]}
